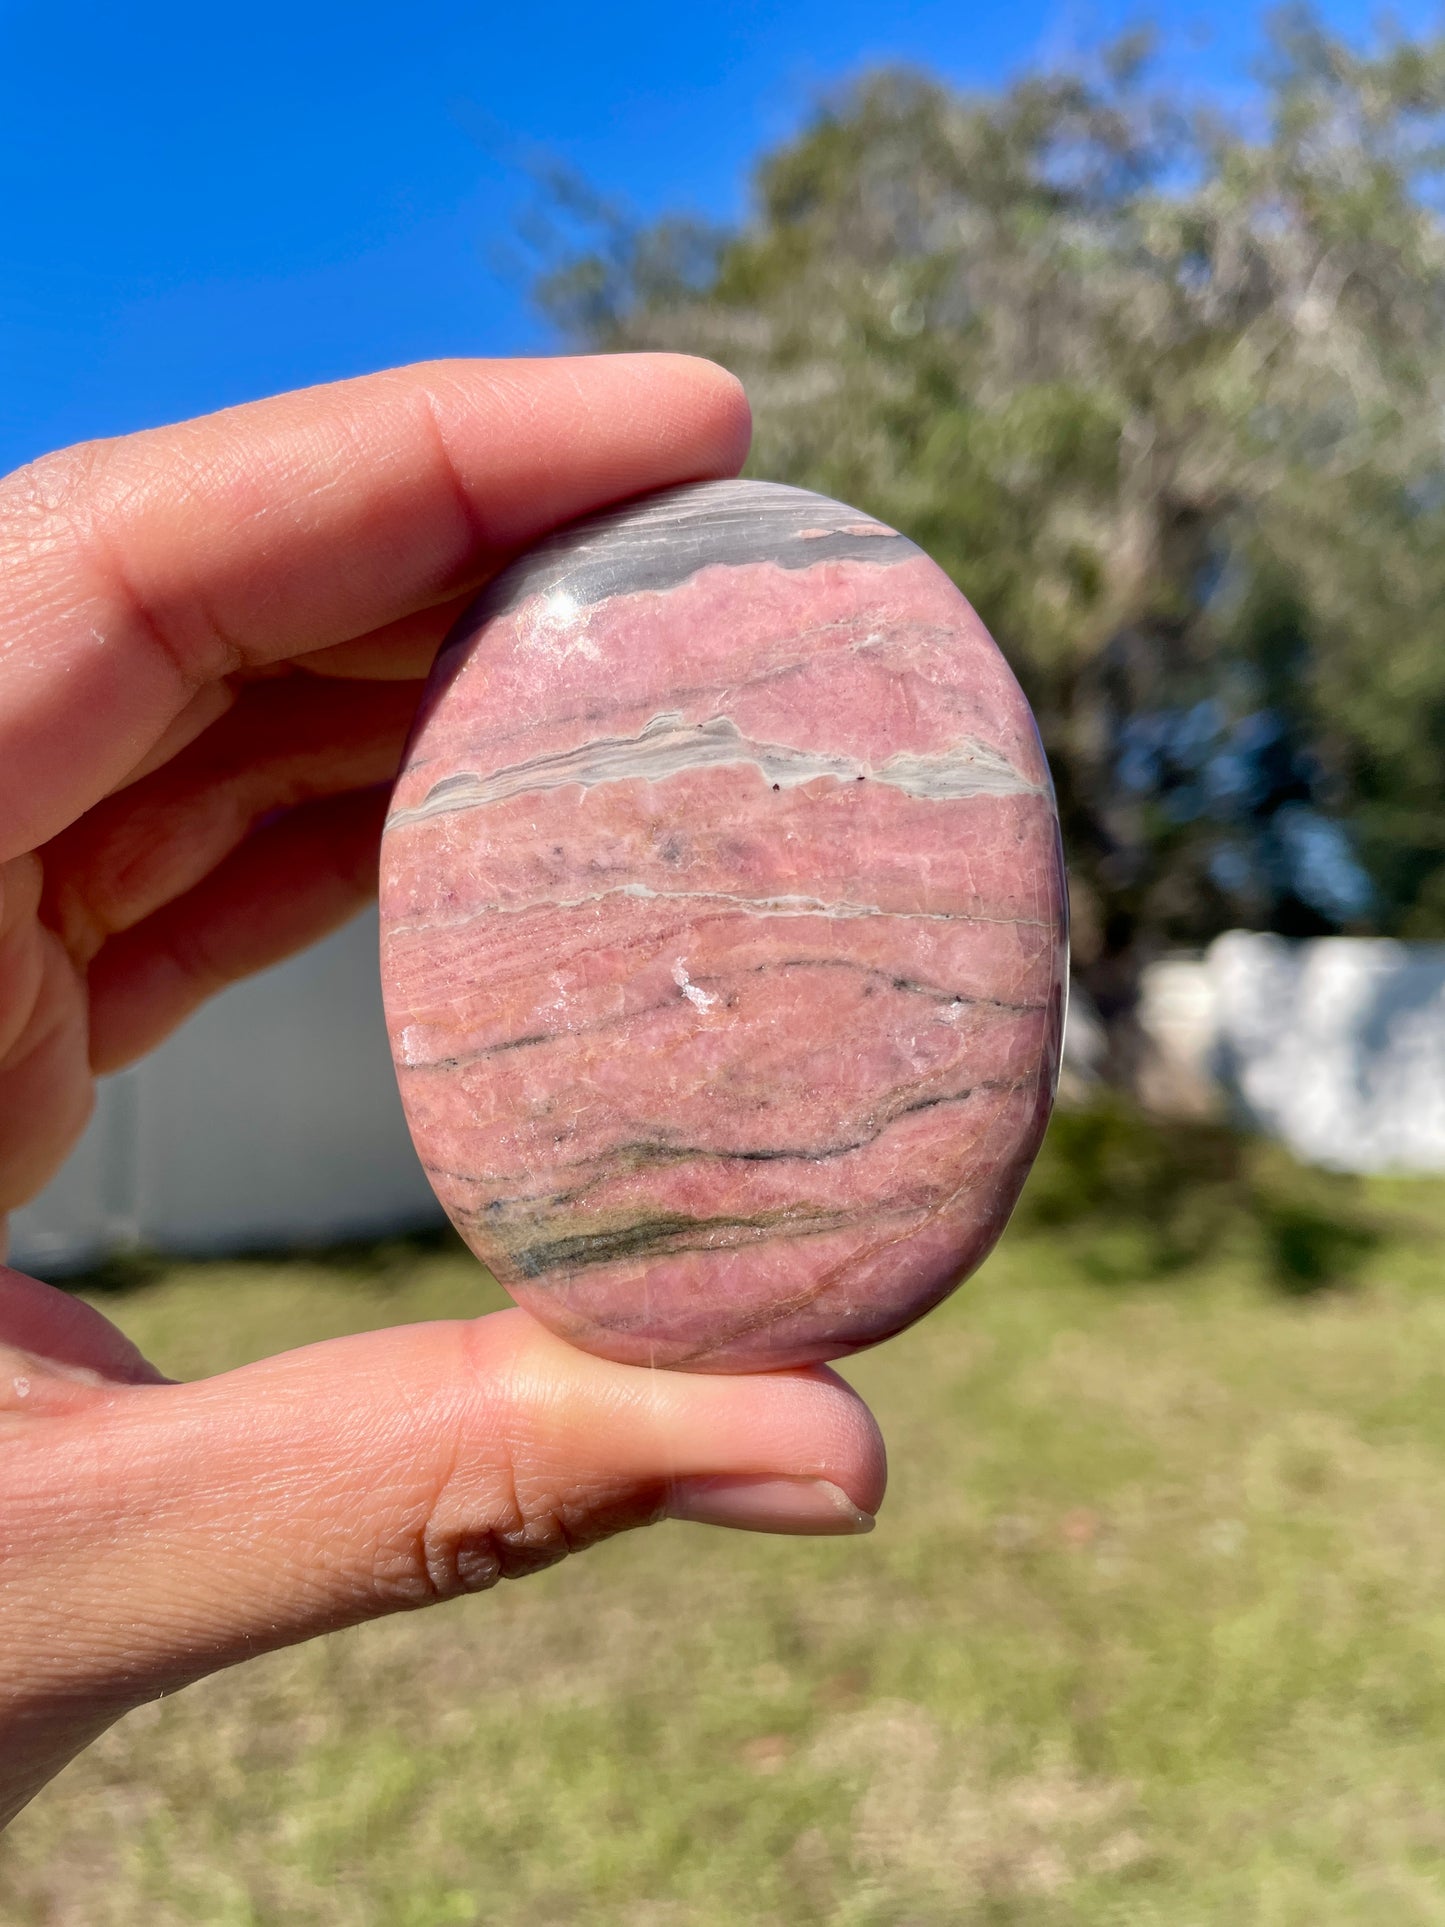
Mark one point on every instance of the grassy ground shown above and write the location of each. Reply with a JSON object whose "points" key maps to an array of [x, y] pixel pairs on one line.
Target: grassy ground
{"points": [[1152, 1628]]}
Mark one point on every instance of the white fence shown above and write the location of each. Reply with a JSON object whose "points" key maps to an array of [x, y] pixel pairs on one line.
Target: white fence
{"points": [[272, 1117], [1337, 1046]]}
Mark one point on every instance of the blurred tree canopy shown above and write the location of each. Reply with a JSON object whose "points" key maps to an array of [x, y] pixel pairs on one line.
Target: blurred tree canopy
{"points": [[1162, 390]]}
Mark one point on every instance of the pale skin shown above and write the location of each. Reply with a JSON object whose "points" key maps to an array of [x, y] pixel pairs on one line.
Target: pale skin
{"points": [[211, 641]]}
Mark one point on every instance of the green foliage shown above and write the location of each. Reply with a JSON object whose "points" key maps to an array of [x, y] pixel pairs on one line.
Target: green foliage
{"points": [[1146, 1198], [1149, 1630], [1164, 394]]}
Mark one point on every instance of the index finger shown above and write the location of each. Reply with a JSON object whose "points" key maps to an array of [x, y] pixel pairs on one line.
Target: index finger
{"points": [[138, 571]]}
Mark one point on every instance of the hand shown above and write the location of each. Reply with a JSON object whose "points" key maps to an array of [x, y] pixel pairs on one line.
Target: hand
{"points": [[211, 643]]}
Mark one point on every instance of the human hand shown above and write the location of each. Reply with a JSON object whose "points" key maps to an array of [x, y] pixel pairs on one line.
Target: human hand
{"points": [[211, 644]]}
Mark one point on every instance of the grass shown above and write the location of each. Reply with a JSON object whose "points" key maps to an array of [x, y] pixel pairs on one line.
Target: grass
{"points": [[1152, 1629]]}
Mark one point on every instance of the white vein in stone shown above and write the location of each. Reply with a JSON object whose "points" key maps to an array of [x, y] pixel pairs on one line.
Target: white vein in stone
{"points": [[667, 746], [783, 906]]}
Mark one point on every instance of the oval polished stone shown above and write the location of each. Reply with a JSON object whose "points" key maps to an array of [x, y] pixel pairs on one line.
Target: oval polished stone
{"points": [[723, 931]]}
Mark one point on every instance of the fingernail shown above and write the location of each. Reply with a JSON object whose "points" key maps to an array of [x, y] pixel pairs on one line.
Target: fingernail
{"points": [[804, 1506]]}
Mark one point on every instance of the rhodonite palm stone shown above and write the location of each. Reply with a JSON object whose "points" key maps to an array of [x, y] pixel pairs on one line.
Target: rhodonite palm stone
{"points": [[723, 931]]}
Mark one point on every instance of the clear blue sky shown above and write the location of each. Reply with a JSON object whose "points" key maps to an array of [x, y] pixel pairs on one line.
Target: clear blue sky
{"points": [[204, 204]]}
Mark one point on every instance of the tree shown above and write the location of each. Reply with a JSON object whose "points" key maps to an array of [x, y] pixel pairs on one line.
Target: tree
{"points": [[1163, 394]]}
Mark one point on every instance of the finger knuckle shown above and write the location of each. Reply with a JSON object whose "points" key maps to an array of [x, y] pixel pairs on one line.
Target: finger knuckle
{"points": [[470, 1541], [69, 524], [52, 490], [502, 1496], [524, 1535], [46, 516]]}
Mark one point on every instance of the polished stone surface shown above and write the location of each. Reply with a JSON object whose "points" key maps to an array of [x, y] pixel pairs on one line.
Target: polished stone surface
{"points": [[723, 931]]}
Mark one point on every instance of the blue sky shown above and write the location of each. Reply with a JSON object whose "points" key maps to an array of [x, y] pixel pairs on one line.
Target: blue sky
{"points": [[205, 204]]}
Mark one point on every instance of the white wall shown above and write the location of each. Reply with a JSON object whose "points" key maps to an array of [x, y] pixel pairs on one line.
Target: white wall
{"points": [[271, 1118]]}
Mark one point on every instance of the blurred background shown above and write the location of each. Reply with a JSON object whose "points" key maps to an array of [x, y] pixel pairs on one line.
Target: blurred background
{"points": [[1137, 324]]}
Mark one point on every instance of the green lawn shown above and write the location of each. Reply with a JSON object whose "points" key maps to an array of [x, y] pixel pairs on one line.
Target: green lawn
{"points": [[1152, 1628]]}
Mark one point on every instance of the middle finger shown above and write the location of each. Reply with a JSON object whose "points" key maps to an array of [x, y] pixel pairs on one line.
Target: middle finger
{"points": [[284, 742]]}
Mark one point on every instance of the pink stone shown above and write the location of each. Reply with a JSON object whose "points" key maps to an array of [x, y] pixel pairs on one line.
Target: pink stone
{"points": [[723, 931]]}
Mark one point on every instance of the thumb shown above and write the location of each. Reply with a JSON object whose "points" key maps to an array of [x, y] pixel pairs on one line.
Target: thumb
{"points": [[163, 1531]]}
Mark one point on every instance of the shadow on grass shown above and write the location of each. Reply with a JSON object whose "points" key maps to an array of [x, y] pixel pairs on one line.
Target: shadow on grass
{"points": [[1312, 1249], [380, 1261], [1144, 1196]]}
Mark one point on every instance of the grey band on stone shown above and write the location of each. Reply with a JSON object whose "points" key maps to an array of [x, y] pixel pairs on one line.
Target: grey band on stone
{"points": [[667, 746], [672, 535]]}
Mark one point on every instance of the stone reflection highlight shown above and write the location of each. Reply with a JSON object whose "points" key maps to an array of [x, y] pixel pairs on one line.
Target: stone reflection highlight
{"points": [[723, 931]]}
